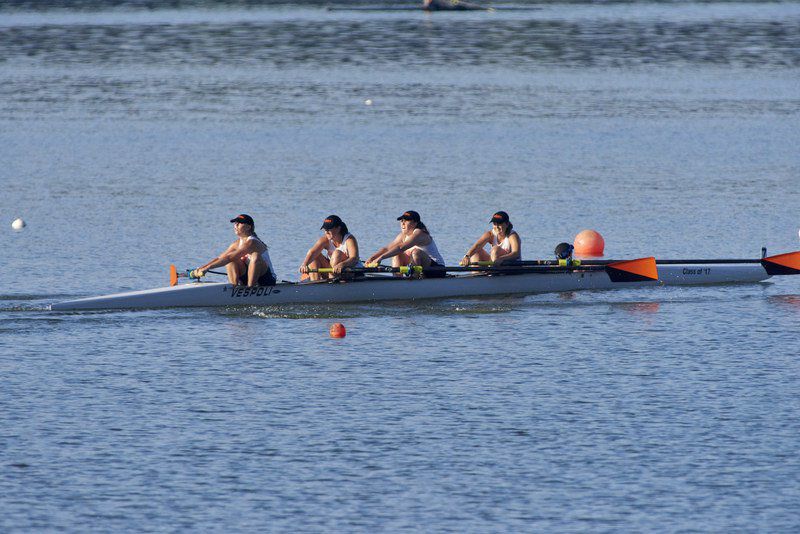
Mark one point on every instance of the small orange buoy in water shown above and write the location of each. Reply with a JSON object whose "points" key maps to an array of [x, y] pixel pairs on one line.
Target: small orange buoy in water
{"points": [[337, 330], [589, 243]]}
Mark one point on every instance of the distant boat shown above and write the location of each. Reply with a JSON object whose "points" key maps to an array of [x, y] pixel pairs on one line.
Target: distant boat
{"points": [[436, 5], [452, 5]]}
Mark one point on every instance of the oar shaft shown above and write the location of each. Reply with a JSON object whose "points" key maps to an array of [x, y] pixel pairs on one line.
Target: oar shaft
{"points": [[186, 274], [499, 268], [548, 268], [581, 263], [536, 263], [719, 262]]}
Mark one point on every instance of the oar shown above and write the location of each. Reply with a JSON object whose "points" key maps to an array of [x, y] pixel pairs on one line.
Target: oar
{"points": [[638, 270], [788, 263], [174, 274]]}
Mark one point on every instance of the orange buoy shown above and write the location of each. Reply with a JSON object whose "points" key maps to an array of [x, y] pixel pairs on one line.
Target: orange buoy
{"points": [[337, 330], [589, 243]]}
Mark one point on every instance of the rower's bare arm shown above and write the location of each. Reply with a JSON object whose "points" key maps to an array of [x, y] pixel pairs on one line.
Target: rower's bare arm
{"points": [[516, 246], [352, 252], [383, 253], [221, 259], [312, 253], [375, 257], [237, 251], [248, 247], [418, 238], [396, 247], [479, 244]]}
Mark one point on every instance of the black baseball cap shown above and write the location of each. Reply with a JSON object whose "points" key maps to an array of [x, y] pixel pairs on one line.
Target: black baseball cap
{"points": [[244, 219], [499, 217], [331, 221], [409, 216]]}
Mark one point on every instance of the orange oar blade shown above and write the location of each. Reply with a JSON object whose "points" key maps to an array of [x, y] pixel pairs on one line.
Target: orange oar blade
{"points": [[788, 263], [641, 270], [173, 275]]}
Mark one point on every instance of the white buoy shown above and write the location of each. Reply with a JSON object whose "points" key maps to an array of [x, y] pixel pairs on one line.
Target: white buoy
{"points": [[18, 224], [368, 102]]}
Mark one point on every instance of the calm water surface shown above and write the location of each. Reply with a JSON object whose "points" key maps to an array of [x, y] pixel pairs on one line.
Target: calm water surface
{"points": [[129, 137]]}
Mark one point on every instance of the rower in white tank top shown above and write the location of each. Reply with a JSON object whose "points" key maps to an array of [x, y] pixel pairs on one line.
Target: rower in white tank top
{"points": [[339, 257], [509, 248], [413, 245], [246, 260]]}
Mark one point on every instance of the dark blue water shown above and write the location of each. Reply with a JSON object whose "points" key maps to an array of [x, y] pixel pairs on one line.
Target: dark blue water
{"points": [[130, 134]]}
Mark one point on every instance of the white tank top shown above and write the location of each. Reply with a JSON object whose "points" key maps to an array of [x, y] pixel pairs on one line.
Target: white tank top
{"points": [[505, 244], [430, 249], [264, 253], [341, 248]]}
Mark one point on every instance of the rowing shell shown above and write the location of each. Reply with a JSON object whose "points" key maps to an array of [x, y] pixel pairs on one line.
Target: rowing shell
{"points": [[387, 288]]}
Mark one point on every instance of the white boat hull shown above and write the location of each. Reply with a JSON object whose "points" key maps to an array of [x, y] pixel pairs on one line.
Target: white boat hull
{"points": [[206, 294]]}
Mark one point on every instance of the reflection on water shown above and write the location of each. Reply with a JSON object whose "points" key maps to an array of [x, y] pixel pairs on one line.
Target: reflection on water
{"points": [[636, 308], [789, 301]]}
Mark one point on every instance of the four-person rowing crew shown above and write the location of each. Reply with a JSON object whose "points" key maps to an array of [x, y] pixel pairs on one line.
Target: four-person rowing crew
{"points": [[247, 260]]}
